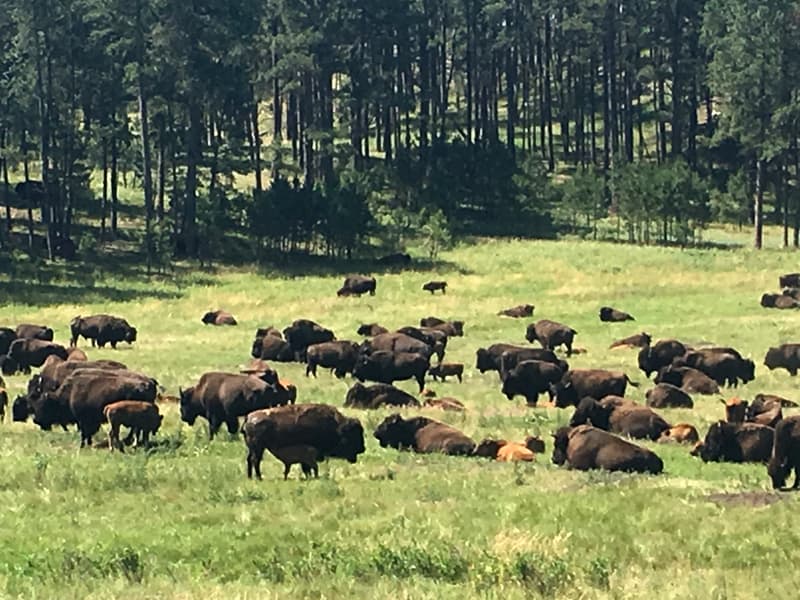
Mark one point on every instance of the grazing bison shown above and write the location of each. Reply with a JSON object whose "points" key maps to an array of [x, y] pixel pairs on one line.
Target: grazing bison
{"points": [[224, 397], [586, 448], [737, 442], [34, 332], [688, 379], [27, 352], [141, 417], [423, 435], [303, 333], [388, 367], [55, 371], [520, 311], [785, 453], [282, 430], [592, 383], [626, 419], [451, 328], [396, 342], [355, 285], [652, 359], [6, 337], [779, 301], [339, 356], [529, 379], [638, 340], [396, 259], [371, 330], [303, 454], [785, 356], [493, 357], [612, 315], [433, 286], [444, 370], [789, 280], [551, 335], [434, 338], [102, 330], [665, 395], [271, 347], [682, 433], [218, 317], [378, 396], [445, 404]]}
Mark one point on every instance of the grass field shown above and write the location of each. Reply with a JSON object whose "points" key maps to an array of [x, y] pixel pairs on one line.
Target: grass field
{"points": [[182, 521]]}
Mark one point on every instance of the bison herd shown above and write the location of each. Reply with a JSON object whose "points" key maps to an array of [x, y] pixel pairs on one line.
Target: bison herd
{"points": [[71, 390]]}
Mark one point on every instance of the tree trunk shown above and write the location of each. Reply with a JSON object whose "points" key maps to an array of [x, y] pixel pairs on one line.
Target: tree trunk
{"points": [[147, 174], [758, 207], [194, 154]]}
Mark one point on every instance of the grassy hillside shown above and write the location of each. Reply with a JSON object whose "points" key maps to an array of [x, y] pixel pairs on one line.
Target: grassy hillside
{"points": [[183, 521]]}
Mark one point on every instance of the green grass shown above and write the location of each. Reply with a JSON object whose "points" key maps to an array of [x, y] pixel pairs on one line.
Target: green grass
{"points": [[183, 521]]}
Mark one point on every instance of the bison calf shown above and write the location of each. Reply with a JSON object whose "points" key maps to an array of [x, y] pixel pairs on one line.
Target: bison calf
{"points": [[302, 454], [444, 370], [141, 417], [433, 286]]}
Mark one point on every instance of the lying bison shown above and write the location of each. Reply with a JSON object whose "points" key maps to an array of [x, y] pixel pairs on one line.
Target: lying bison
{"points": [[626, 419], [688, 379], [586, 448], [551, 335], [682, 433], [29, 352], [218, 317], [423, 435], [371, 330], [377, 396], [730, 442], [612, 315], [779, 301], [785, 356], [785, 453], [530, 378], [102, 330], [665, 395], [592, 383], [224, 397], [520, 311], [308, 432], [388, 367], [638, 340], [396, 259], [339, 356], [356, 285], [271, 347]]}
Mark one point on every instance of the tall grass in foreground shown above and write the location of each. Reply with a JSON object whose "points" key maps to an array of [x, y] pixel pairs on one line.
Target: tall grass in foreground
{"points": [[183, 521]]}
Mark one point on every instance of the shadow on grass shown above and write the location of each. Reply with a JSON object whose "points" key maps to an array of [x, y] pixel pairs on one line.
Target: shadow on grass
{"points": [[46, 294], [303, 265]]}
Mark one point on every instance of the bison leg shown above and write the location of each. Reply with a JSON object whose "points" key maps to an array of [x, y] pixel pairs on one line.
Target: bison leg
{"points": [[114, 345], [254, 457], [421, 382], [311, 369], [213, 427], [459, 378], [233, 425], [130, 437], [286, 468]]}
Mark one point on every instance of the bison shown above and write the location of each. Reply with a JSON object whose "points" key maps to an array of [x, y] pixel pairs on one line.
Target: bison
{"points": [[785, 453], [102, 330], [682, 433], [29, 352], [396, 342], [7, 336], [789, 280], [652, 359], [284, 430], [339, 356], [445, 404], [378, 396], [785, 356], [586, 448], [434, 286], [520, 311], [737, 442], [495, 356], [627, 419], [637, 340], [356, 285], [371, 330], [504, 451], [444, 370], [688, 379], [218, 317], [141, 417], [724, 365], [423, 435], [388, 367], [779, 301], [551, 335], [665, 395], [34, 332], [303, 333], [612, 315], [451, 328], [593, 383], [530, 378], [396, 259], [434, 338], [271, 347]]}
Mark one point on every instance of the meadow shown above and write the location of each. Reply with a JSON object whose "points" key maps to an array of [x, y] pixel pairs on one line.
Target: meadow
{"points": [[183, 521]]}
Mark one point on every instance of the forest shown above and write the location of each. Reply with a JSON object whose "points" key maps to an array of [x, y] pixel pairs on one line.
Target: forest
{"points": [[341, 128]]}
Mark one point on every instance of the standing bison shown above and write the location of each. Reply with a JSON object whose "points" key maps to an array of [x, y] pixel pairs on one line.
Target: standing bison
{"points": [[303, 333], [29, 352], [356, 285], [34, 332], [388, 367], [624, 418], [310, 432], [654, 358], [102, 330], [551, 335], [529, 379], [339, 356], [785, 453], [593, 383], [785, 356]]}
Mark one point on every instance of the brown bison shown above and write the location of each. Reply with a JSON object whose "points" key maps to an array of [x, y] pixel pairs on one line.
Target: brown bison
{"points": [[423, 435], [356, 285], [789, 280], [444, 370], [665, 395], [445, 404], [626, 419], [141, 417], [737, 442], [339, 356], [551, 335], [378, 396], [102, 330], [303, 333], [30, 352], [496, 356], [682, 433], [286, 429], [271, 347], [520, 311], [434, 338], [218, 317], [434, 286], [34, 332], [7, 336], [638, 340], [762, 412], [451, 328], [785, 453], [586, 448], [396, 259], [612, 315], [224, 397], [371, 330], [269, 330], [779, 301], [785, 356], [592, 383], [529, 379], [396, 342], [653, 358], [388, 367], [688, 379], [723, 365]]}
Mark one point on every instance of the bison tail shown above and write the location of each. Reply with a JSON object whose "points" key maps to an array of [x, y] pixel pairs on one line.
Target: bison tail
{"points": [[633, 383]]}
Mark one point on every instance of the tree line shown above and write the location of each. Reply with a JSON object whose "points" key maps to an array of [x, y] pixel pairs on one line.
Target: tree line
{"points": [[321, 126]]}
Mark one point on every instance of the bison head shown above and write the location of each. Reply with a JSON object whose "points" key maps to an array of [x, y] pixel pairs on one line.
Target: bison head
{"points": [[534, 444], [356, 395], [484, 360], [735, 410], [255, 351], [591, 411], [768, 300], [748, 371], [20, 410], [209, 318], [530, 333], [716, 445], [394, 431], [645, 360], [778, 470], [8, 366], [488, 448], [564, 394], [189, 408], [130, 335], [774, 358], [351, 440], [560, 443]]}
